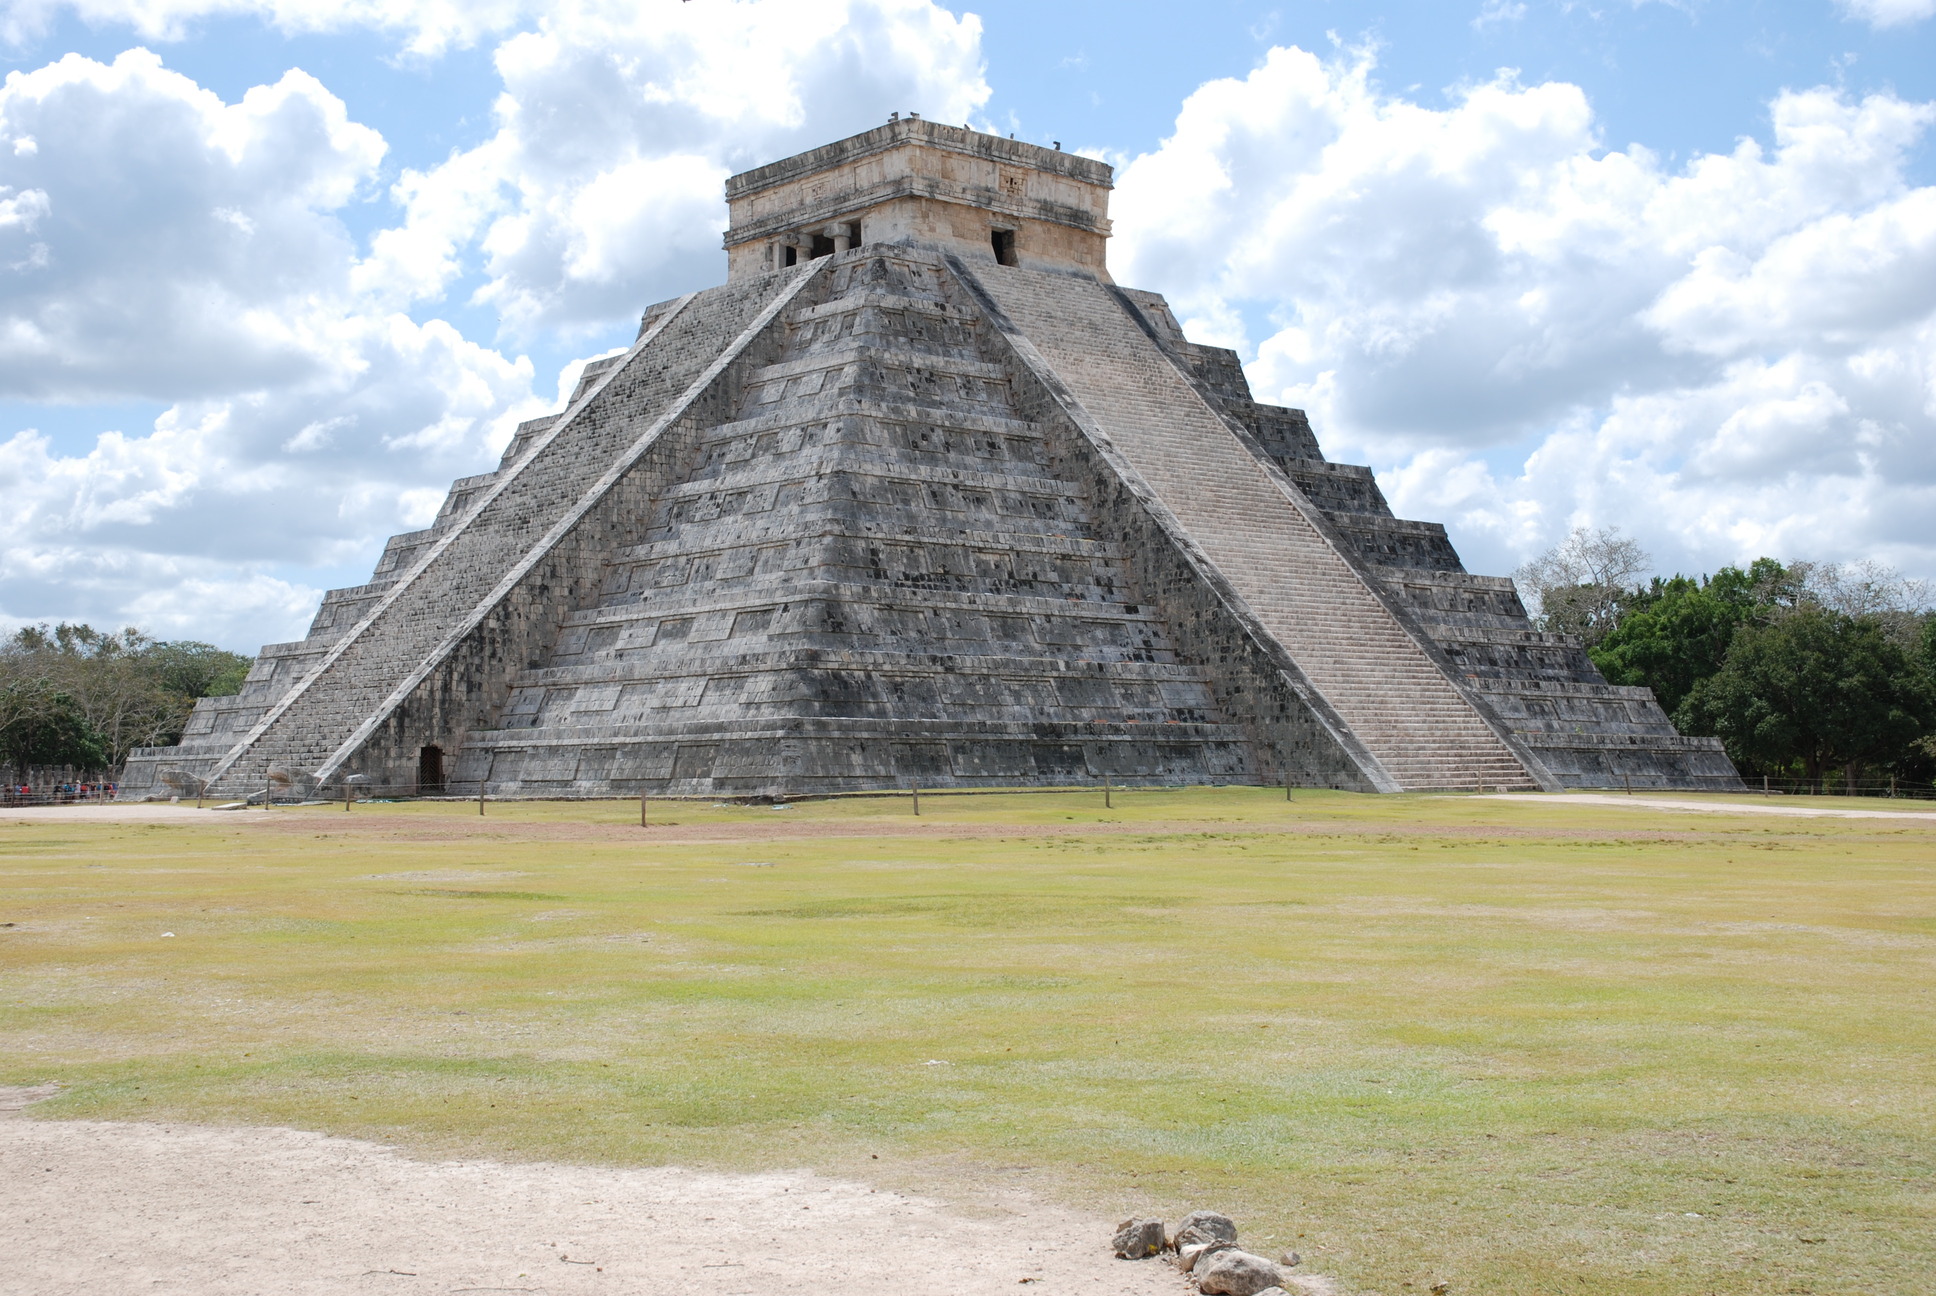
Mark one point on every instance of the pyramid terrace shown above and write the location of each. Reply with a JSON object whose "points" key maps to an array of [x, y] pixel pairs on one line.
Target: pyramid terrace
{"points": [[920, 496]]}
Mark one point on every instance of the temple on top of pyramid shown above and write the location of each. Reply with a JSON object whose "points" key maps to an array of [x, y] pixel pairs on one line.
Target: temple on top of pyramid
{"points": [[919, 496], [916, 183]]}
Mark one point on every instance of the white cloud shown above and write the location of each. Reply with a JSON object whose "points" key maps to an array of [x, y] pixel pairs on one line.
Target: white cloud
{"points": [[1526, 331], [600, 189], [1835, 283], [161, 245], [1889, 13], [427, 27], [222, 491], [159, 242], [1499, 11]]}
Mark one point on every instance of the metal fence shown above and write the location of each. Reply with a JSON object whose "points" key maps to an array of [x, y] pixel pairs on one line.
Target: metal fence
{"points": [[283, 794], [469, 792], [1837, 785]]}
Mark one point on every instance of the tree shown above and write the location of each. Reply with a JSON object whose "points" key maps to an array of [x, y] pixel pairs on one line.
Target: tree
{"points": [[39, 725], [1582, 585], [129, 690], [1817, 689], [104, 675], [1765, 584], [195, 670], [1677, 634], [1920, 764]]}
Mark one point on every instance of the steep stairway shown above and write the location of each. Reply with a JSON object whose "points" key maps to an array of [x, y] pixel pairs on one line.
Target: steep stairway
{"points": [[456, 579], [869, 574], [1375, 674]]}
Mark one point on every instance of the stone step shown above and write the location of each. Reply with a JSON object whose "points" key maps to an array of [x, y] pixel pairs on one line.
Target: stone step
{"points": [[880, 299], [458, 577], [887, 357], [844, 461], [1366, 665]]}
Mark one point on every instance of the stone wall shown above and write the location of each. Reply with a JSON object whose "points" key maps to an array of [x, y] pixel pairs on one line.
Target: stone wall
{"points": [[896, 519]]}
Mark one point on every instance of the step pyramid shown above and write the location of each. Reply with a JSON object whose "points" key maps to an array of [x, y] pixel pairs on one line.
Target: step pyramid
{"points": [[921, 497]]}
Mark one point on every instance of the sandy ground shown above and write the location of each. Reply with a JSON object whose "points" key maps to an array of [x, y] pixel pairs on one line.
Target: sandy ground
{"points": [[124, 812], [1705, 806], [764, 827], [102, 1208], [781, 826], [666, 825]]}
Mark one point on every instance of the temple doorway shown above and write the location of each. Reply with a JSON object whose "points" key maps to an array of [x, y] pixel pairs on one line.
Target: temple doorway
{"points": [[430, 771]]}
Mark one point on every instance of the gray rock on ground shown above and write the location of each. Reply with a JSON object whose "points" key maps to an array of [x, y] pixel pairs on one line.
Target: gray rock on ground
{"points": [[1138, 1239], [1237, 1273], [1209, 1226], [1190, 1254]]}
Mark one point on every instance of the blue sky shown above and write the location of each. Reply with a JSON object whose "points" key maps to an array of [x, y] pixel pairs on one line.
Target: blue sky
{"points": [[1515, 255]]}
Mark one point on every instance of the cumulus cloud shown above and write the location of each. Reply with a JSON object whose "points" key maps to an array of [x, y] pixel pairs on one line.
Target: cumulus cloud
{"points": [[153, 237], [158, 244], [161, 244], [1527, 331], [426, 27], [618, 125], [1494, 12], [1889, 13], [616, 128]]}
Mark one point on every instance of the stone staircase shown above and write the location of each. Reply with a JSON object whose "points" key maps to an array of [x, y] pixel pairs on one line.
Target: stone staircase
{"points": [[455, 579], [927, 524], [217, 724], [1542, 687], [871, 573], [1422, 729]]}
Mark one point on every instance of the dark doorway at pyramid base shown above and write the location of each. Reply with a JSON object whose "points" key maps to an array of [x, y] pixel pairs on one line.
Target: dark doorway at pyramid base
{"points": [[430, 771]]}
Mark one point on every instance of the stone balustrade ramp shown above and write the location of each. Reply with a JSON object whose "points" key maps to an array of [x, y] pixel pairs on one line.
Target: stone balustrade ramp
{"points": [[1419, 726], [507, 532]]}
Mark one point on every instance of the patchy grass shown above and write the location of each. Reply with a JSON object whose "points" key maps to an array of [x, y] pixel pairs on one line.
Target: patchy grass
{"points": [[1523, 1047]]}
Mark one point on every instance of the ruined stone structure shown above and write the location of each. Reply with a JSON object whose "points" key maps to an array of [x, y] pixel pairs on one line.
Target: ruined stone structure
{"points": [[920, 496]]}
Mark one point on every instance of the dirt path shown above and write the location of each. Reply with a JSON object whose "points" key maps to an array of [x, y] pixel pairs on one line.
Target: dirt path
{"points": [[95, 1207], [123, 812], [1711, 807], [310, 820]]}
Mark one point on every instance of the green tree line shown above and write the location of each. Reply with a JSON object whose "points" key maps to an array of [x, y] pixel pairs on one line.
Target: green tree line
{"points": [[74, 695], [1811, 673]]}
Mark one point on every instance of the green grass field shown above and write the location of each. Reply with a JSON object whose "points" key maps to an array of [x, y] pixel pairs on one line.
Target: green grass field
{"points": [[1523, 1047]]}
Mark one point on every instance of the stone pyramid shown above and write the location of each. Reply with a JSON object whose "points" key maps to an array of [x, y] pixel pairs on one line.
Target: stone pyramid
{"points": [[920, 496]]}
